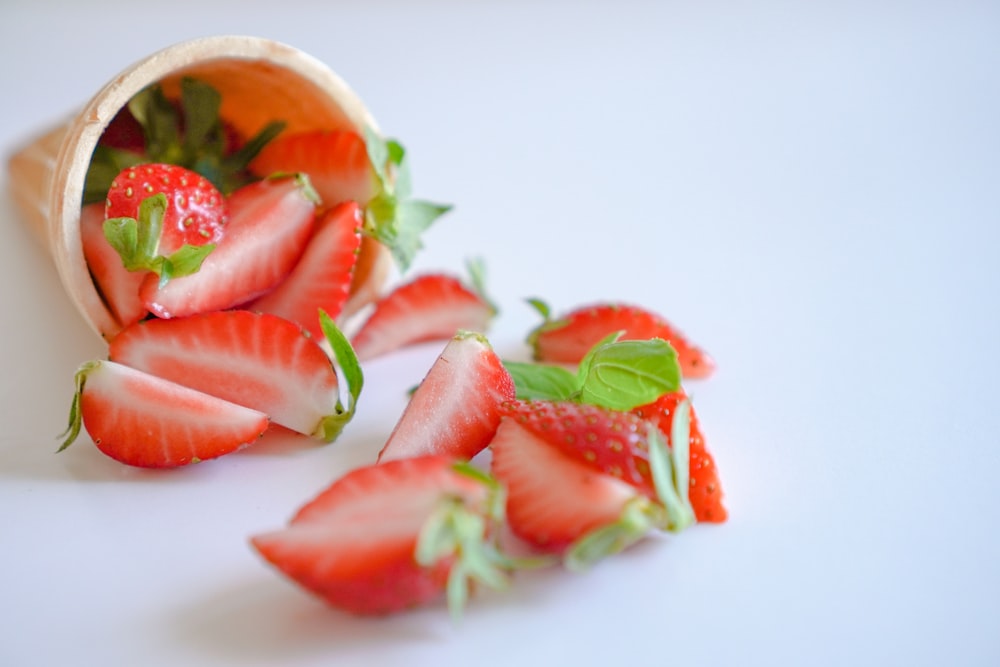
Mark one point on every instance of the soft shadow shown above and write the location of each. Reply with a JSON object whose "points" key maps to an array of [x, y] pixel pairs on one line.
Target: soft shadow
{"points": [[270, 622]]}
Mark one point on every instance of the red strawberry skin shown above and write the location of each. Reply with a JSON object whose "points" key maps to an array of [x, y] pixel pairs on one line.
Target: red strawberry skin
{"points": [[568, 339], [705, 492], [336, 161], [118, 286], [354, 544], [430, 307], [322, 277], [270, 224], [257, 360], [553, 498], [196, 211], [146, 421], [457, 407]]}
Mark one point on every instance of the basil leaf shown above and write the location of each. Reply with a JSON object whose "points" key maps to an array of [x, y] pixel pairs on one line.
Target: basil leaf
{"points": [[627, 374], [541, 382]]}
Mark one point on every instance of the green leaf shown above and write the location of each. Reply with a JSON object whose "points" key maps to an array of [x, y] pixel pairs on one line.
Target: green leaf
{"points": [[160, 122], [477, 274], [413, 217], [378, 153], [637, 518], [105, 164], [122, 234], [185, 261], [668, 469], [540, 306], [200, 104], [350, 369], [541, 381], [627, 374]]}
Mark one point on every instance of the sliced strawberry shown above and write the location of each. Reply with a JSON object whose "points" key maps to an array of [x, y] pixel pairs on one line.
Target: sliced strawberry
{"points": [[385, 538], [322, 277], [196, 212], [143, 420], [706, 489], [336, 161], [270, 224], [457, 407], [429, 307], [568, 339], [580, 478], [118, 286], [258, 360]]}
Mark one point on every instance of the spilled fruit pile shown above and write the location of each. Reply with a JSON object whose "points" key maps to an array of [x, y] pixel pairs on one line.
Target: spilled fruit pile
{"points": [[234, 266]]}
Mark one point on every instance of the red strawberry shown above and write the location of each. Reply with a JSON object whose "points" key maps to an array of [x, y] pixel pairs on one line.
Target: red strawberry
{"points": [[143, 420], [270, 224], [118, 286], [456, 408], [261, 361], [385, 538], [336, 161], [579, 478], [196, 212], [322, 277], [706, 489], [429, 307], [568, 339]]}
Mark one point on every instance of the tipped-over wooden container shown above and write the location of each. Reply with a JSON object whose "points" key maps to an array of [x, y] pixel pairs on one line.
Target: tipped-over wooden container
{"points": [[260, 80]]}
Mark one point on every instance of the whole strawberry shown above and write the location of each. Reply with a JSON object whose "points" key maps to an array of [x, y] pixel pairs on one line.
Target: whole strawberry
{"points": [[196, 212]]}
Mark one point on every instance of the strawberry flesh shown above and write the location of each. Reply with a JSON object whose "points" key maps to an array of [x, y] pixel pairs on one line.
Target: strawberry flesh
{"points": [[429, 307], [354, 545], [143, 420], [322, 277], [258, 360], [118, 287], [457, 407]]}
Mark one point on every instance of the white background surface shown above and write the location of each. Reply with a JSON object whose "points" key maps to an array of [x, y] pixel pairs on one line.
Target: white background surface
{"points": [[809, 190]]}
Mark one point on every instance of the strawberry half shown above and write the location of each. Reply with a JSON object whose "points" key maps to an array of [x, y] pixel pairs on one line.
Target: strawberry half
{"points": [[257, 360], [118, 286], [385, 538], [322, 277], [705, 491], [586, 481], [568, 339], [457, 407], [143, 420], [429, 307], [196, 212], [336, 161], [270, 224]]}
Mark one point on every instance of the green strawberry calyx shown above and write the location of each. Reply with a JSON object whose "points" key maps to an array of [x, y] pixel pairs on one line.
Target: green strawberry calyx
{"points": [[392, 218], [137, 240], [349, 369], [75, 424], [189, 133]]}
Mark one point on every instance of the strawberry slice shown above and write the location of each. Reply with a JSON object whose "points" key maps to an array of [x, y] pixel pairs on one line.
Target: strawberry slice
{"points": [[143, 420], [118, 286], [257, 360], [336, 161], [322, 277], [586, 481], [705, 492], [270, 224], [568, 339], [385, 538], [429, 307], [456, 409]]}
